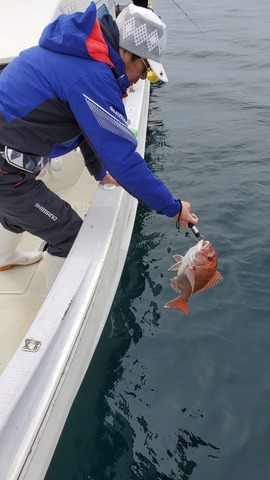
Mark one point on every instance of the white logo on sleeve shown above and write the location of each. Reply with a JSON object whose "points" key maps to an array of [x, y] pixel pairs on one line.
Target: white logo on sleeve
{"points": [[109, 122]]}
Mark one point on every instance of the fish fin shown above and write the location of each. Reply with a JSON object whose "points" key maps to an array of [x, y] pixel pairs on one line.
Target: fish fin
{"points": [[178, 258], [190, 273], [178, 303], [174, 284], [175, 266], [212, 282]]}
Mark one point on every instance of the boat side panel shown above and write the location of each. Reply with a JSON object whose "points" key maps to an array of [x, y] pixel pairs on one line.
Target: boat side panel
{"points": [[69, 326]]}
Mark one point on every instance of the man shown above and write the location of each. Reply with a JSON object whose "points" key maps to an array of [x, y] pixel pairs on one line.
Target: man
{"points": [[64, 93]]}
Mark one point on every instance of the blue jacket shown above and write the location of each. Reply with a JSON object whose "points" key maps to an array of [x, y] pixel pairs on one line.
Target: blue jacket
{"points": [[69, 89]]}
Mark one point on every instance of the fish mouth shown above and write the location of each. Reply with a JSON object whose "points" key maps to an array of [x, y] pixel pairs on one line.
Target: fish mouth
{"points": [[204, 244], [201, 247]]}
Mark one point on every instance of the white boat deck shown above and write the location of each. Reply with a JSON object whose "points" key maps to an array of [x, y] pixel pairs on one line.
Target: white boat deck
{"points": [[23, 289]]}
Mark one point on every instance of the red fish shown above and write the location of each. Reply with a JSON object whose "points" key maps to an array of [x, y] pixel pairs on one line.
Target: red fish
{"points": [[197, 271]]}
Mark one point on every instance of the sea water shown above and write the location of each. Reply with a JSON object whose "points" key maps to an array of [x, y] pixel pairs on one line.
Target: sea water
{"points": [[170, 396]]}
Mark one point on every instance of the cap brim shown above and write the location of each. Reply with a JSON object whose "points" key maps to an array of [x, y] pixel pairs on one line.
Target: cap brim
{"points": [[158, 69]]}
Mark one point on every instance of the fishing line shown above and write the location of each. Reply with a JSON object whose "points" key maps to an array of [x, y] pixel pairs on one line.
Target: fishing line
{"points": [[180, 8]]}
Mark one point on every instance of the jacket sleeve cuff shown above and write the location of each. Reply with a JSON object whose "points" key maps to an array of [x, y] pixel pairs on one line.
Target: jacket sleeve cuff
{"points": [[101, 175], [172, 209]]}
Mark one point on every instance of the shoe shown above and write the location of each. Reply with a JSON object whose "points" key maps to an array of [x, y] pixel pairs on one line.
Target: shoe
{"points": [[10, 256]]}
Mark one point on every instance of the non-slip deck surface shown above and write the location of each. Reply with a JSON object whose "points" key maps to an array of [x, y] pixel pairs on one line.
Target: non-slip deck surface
{"points": [[23, 289]]}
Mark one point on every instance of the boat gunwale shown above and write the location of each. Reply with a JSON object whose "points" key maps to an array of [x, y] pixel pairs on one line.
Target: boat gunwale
{"points": [[113, 204]]}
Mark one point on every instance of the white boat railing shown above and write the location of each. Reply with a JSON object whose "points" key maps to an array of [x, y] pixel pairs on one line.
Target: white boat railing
{"points": [[41, 380], [38, 387]]}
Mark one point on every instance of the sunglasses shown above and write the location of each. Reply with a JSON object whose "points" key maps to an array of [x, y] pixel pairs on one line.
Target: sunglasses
{"points": [[151, 76]]}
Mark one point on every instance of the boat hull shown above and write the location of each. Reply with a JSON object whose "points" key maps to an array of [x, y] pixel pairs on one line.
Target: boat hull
{"points": [[39, 383]]}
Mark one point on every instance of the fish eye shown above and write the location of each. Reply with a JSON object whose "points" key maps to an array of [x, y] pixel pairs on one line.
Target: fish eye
{"points": [[209, 257]]}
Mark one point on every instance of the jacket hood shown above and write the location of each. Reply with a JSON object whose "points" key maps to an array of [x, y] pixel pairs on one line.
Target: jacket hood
{"points": [[69, 33], [80, 34]]}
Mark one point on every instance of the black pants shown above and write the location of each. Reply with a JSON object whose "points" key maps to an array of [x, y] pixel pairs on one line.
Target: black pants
{"points": [[27, 204]]}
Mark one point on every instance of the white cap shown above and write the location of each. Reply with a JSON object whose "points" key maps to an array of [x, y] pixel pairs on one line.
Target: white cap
{"points": [[144, 34]]}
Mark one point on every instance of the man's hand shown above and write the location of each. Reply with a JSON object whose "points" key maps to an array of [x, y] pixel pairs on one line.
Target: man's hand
{"points": [[108, 179], [186, 217]]}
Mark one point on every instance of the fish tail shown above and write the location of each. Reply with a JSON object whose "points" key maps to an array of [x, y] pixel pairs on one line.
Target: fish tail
{"points": [[178, 303]]}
